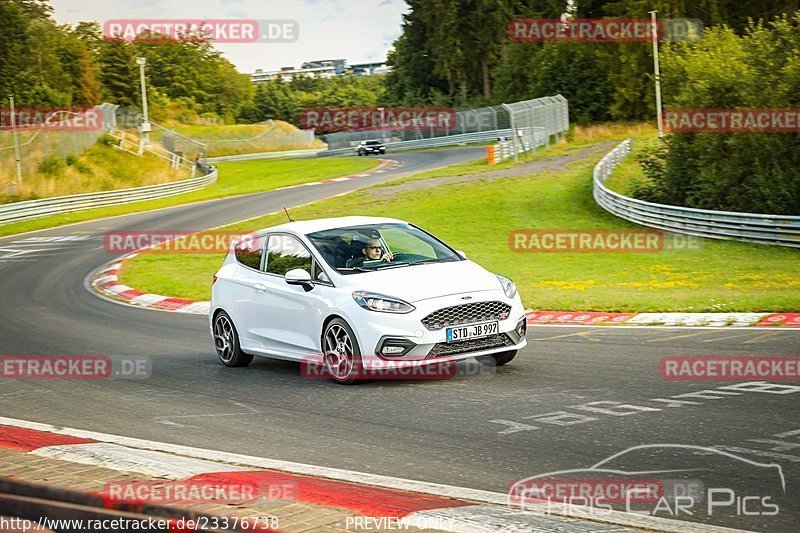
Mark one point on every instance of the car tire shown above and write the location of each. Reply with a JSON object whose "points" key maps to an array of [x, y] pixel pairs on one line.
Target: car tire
{"points": [[361, 153], [498, 359], [341, 355], [226, 342]]}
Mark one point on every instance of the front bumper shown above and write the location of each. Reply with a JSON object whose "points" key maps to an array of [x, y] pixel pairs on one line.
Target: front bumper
{"points": [[420, 345]]}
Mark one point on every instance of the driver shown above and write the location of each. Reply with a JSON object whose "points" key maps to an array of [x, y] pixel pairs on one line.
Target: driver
{"points": [[372, 251]]}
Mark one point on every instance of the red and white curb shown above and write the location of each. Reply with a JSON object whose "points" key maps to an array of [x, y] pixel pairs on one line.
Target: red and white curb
{"points": [[664, 319], [404, 501], [106, 282]]}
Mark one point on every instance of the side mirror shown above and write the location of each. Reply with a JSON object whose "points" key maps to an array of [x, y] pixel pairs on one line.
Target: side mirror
{"points": [[462, 254], [298, 276]]}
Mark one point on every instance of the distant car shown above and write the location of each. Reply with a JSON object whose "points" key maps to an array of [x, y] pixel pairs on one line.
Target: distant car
{"points": [[312, 288], [370, 147]]}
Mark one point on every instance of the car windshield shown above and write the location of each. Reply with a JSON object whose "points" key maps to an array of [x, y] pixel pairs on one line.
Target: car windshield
{"points": [[372, 247], [372, 143]]}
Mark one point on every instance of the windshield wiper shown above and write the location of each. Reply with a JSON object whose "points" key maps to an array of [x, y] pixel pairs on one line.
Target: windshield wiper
{"points": [[393, 265], [398, 265], [426, 261], [353, 269]]}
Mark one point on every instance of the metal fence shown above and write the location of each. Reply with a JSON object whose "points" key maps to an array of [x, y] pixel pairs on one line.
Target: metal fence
{"points": [[37, 146], [135, 145], [530, 120], [276, 137], [778, 230], [528, 140]]}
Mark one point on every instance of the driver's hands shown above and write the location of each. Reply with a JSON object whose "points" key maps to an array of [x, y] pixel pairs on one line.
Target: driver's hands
{"points": [[388, 256]]}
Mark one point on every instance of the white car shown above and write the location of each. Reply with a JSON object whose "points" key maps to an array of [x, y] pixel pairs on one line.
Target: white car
{"points": [[357, 293]]}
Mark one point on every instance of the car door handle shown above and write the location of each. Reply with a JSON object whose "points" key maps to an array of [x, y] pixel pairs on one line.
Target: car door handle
{"points": [[260, 288]]}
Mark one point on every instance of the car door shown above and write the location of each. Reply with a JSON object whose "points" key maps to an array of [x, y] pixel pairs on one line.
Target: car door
{"points": [[242, 288], [288, 316]]}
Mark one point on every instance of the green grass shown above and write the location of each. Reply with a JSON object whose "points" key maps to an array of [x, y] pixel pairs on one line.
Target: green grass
{"points": [[629, 173], [477, 217], [238, 177], [188, 275]]}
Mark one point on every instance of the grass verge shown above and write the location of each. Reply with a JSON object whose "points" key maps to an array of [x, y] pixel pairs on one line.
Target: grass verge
{"points": [[477, 216], [101, 167], [236, 177]]}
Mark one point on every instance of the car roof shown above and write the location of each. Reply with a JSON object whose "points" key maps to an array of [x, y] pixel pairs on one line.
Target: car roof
{"points": [[305, 227]]}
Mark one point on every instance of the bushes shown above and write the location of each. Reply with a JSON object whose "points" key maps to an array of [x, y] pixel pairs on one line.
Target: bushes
{"points": [[51, 166], [749, 172]]}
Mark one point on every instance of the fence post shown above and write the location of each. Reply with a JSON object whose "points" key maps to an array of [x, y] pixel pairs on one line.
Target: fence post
{"points": [[513, 122]]}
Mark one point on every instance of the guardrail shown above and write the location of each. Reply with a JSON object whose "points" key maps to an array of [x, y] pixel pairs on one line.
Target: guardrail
{"points": [[285, 154], [78, 202], [780, 230]]}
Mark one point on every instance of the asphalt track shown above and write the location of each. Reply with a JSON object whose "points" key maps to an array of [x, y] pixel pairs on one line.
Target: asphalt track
{"points": [[484, 430]]}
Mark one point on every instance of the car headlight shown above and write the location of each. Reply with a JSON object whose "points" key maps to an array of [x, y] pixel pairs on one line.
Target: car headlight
{"points": [[381, 303], [508, 286]]}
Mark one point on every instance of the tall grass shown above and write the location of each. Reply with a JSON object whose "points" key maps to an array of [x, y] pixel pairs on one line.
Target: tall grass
{"points": [[100, 168]]}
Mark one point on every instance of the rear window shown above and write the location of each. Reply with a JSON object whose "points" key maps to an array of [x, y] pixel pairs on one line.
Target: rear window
{"points": [[250, 251]]}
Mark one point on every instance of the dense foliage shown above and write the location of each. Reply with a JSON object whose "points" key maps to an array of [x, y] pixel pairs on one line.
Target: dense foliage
{"points": [[458, 52], [754, 172], [49, 65]]}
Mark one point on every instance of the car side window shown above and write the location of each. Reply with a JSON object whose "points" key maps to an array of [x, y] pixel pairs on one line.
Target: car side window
{"points": [[249, 252], [285, 253], [319, 274]]}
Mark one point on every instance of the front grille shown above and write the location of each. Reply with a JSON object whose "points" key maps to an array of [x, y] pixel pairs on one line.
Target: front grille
{"points": [[466, 314], [473, 345]]}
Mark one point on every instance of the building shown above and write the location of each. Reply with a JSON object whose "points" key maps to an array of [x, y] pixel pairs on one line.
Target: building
{"points": [[289, 73], [339, 64], [368, 69], [321, 68]]}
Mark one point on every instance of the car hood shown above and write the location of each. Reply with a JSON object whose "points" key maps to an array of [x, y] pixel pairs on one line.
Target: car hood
{"points": [[422, 282]]}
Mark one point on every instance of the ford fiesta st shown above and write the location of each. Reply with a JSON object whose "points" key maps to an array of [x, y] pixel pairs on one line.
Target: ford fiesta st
{"points": [[358, 292]]}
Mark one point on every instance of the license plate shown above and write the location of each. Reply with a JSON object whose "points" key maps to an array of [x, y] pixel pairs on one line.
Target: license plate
{"points": [[473, 331]]}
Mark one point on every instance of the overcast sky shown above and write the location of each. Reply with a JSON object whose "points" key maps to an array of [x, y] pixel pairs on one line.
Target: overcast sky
{"points": [[356, 30]]}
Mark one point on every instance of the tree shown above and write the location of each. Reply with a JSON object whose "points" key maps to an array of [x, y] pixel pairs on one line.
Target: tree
{"points": [[119, 73], [754, 172]]}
